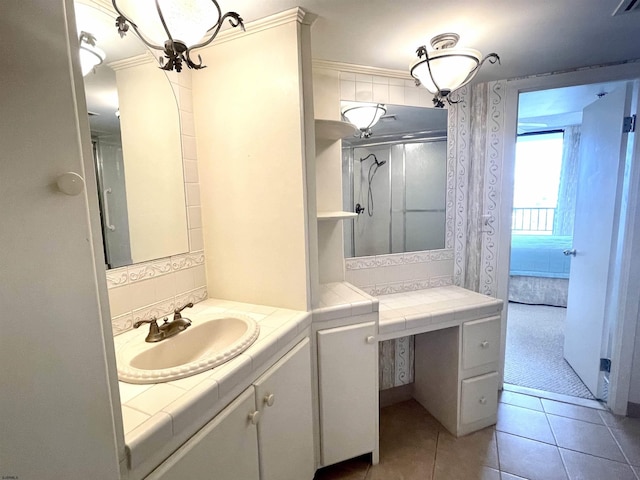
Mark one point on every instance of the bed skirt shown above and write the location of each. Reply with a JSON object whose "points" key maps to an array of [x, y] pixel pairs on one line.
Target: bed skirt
{"points": [[538, 290]]}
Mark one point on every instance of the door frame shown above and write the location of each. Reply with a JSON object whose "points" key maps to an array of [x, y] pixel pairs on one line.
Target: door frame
{"points": [[628, 253]]}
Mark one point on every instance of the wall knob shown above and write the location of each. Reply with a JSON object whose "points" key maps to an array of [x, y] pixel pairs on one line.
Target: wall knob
{"points": [[484, 344], [371, 339], [482, 401], [269, 399], [254, 417], [70, 183]]}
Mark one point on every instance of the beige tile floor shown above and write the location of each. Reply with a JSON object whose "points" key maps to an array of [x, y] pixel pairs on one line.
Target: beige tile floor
{"points": [[534, 439]]}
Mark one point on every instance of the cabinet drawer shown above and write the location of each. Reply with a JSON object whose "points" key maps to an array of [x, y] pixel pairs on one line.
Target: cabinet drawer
{"points": [[479, 398], [480, 342]]}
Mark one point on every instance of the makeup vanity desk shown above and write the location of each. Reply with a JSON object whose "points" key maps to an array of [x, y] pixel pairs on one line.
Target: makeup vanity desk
{"points": [[457, 351]]}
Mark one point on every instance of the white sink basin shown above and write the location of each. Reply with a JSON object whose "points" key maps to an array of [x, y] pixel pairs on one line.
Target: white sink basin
{"points": [[205, 344]]}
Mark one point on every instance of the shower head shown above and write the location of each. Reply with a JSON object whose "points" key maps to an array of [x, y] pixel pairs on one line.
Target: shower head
{"points": [[375, 159]]}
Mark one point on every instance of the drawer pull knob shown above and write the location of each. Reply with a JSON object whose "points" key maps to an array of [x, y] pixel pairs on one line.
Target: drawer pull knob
{"points": [[484, 344], [254, 417], [482, 401], [371, 339], [269, 399]]}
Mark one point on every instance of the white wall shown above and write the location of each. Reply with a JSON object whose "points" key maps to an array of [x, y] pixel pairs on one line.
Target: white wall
{"points": [[250, 125], [56, 407]]}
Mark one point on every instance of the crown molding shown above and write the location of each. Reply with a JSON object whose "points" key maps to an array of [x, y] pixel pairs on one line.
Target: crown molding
{"points": [[362, 69], [296, 14], [141, 59]]}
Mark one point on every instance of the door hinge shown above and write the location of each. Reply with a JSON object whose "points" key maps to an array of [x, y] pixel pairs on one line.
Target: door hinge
{"points": [[629, 124], [605, 365]]}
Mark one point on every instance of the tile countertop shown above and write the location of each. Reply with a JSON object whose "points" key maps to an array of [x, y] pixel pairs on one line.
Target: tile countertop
{"points": [[419, 311], [341, 299], [157, 415]]}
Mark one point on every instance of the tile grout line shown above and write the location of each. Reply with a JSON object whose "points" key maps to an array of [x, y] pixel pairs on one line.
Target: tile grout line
{"points": [[621, 449], [435, 454], [495, 437], [555, 439]]}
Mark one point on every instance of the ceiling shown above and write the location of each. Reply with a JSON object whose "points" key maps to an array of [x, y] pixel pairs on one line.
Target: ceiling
{"points": [[531, 36]]}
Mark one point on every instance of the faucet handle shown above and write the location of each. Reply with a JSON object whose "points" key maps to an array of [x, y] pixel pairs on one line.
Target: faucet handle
{"points": [[142, 322], [176, 312], [154, 335]]}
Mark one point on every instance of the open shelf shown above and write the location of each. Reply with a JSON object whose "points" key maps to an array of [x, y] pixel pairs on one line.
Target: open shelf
{"points": [[336, 215], [334, 129]]}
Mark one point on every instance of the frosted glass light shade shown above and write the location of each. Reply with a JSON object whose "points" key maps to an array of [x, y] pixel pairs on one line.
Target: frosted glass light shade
{"points": [[90, 57], [450, 67], [187, 20], [365, 115]]}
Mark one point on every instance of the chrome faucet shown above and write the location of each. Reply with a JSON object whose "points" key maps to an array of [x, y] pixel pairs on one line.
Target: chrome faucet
{"points": [[169, 328]]}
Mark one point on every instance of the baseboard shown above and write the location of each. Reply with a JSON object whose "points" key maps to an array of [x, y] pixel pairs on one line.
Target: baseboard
{"points": [[391, 396], [633, 410]]}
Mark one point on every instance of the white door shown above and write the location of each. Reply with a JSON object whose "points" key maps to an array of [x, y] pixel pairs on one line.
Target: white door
{"points": [[285, 430], [602, 153], [348, 372]]}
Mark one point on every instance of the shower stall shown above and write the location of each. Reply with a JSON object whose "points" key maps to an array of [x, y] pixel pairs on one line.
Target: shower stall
{"points": [[398, 189]]}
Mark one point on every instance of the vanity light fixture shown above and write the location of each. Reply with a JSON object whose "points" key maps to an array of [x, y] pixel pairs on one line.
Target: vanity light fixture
{"points": [[175, 27], [446, 68], [363, 116], [90, 55]]}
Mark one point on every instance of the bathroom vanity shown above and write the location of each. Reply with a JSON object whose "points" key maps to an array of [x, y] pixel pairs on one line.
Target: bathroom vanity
{"points": [[305, 394]]}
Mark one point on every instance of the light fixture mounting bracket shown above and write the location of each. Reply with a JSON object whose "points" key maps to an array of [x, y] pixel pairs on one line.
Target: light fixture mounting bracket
{"points": [[445, 40]]}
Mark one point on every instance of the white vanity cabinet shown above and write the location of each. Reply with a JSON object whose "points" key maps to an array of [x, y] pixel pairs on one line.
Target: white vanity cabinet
{"points": [[264, 434], [456, 374], [348, 391], [225, 449], [285, 428]]}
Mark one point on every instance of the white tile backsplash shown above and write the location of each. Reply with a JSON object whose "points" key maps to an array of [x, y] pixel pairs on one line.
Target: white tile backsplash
{"points": [[400, 272]]}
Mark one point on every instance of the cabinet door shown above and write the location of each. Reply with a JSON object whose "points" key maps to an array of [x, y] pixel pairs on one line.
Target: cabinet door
{"points": [[285, 430], [225, 449], [347, 369]]}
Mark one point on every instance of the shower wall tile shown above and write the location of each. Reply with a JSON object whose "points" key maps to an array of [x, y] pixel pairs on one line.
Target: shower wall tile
{"points": [[191, 171], [193, 194], [377, 79], [196, 239], [380, 93], [396, 94], [364, 78], [348, 90], [189, 148], [364, 91], [194, 215]]}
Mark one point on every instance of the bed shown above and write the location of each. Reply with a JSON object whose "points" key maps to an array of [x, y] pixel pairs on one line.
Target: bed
{"points": [[539, 270]]}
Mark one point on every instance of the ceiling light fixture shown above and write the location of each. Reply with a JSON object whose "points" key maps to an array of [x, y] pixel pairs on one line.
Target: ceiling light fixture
{"points": [[363, 116], [446, 68], [176, 27], [90, 55]]}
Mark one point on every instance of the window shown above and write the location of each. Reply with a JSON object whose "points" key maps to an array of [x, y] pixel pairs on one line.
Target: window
{"points": [[536, 181]]}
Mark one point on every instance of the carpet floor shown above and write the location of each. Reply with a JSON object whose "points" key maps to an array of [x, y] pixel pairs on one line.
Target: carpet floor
{"points": [[534, 359]]}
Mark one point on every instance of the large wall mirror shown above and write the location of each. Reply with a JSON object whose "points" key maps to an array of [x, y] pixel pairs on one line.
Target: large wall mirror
{"points": [[396, 180], [135, 132]]}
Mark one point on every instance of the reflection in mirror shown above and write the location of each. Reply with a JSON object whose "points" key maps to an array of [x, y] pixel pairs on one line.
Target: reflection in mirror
{"points": [[135, 133], [396, 181]]}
